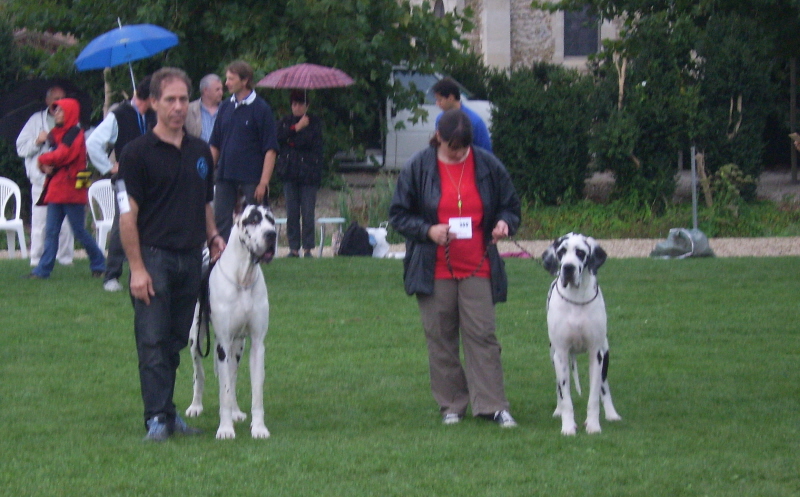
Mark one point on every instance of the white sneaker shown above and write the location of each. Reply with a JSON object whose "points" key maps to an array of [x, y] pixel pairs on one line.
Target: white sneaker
{"points": [[112, 285], [504, 420], [451, 418]]}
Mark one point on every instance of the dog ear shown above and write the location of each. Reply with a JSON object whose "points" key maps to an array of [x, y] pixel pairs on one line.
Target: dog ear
{"points": [[265, 201], [550, 259], [598, 256], [241, 203]]}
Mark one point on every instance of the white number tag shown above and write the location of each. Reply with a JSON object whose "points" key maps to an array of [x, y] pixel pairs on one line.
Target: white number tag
{"points": [[122, 197], [461, 227]]}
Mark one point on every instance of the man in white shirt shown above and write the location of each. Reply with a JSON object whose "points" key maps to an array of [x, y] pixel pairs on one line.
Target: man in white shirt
{"points": [[126, 122], [203, 112], [31, 143]]}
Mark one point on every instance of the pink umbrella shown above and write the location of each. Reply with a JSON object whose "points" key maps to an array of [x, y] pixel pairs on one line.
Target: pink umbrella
{"points": [[306, 77]]}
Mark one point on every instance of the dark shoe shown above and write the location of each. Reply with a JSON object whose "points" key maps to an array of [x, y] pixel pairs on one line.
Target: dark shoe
{"points": [[308, 254], [502, 418], [180, 427], [98, 274], [293, 253], [31, 276], [157, 430]]}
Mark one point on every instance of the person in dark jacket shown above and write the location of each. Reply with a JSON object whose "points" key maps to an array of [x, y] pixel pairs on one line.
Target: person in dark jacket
{"points": [[64, 193], [453, 203], [300, 168]]}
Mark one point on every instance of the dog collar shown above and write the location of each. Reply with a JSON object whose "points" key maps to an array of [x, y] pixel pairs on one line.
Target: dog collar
{"points": [[554, 284]]}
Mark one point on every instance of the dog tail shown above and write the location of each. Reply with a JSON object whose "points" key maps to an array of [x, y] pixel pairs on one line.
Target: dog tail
{"points": [[573, 364]]}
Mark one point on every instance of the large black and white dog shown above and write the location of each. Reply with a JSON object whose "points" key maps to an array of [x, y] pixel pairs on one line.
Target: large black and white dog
{"points": [[239, 308], [576, 323]]}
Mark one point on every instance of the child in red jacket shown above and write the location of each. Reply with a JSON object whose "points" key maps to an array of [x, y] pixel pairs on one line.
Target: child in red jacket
{"points": [[64, 194]]}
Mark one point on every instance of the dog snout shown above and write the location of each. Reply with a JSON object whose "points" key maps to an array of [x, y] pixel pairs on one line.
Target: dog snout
{"points": [[568, 270]]}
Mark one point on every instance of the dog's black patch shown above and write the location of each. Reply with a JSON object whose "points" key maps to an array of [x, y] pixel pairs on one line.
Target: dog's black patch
{"points": [[238, 358], [605, 366], [254, 217], [560, 395], [220, 353], [599, 357]]}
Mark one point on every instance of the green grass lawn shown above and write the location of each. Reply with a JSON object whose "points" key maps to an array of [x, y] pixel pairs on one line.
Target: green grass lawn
{"points": [[704, 372]]}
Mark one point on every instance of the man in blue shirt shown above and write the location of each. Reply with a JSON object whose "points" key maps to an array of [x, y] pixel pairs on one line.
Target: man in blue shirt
{"points": [[203, 112], [244, 146], [448, 96]]}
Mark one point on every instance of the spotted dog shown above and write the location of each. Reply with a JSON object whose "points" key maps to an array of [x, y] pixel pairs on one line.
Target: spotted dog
{"points": [[239, 309], [576, 323]]}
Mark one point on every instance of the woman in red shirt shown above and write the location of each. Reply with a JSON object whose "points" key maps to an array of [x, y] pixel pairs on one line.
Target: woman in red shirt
{"points": [[63, 195], [453, 203]]}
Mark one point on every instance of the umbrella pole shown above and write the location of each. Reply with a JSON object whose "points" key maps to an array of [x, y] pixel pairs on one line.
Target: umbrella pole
{"points": [[130, 66], [133, 82]]}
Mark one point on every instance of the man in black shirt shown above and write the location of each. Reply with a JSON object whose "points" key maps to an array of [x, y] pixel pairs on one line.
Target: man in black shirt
{"points": [[166, 188]]}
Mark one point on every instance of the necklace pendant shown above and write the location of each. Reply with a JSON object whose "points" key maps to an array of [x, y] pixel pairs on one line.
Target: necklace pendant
{"points": [[459, 206]]}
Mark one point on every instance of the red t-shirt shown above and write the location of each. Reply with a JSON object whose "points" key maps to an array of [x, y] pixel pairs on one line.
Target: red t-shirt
{"points": [[465, 254]]}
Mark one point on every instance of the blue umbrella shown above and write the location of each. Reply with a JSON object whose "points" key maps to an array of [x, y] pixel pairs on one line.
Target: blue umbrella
{"points": [[124, 45]]}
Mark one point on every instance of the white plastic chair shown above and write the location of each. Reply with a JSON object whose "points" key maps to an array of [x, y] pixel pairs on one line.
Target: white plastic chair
{"points": [[13, 227], [102, 199]]}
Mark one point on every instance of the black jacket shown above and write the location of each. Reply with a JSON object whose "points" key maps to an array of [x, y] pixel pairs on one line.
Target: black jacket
{"points": [[300, 156], [414, 210]]}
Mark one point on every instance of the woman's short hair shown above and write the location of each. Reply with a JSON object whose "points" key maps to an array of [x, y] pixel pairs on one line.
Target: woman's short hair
{"points": [[454, 128]]}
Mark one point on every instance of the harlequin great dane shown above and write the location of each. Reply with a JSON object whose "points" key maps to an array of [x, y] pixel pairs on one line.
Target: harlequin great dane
{"points": [[239, 309], [576, 323]]}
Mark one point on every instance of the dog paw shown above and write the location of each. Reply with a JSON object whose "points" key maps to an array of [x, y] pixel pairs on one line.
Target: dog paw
{"points": [[613, 417], [225, 433], [238, 415], [593, 427], [569, 430], [557, 413], [259, 431], [194, 410]]}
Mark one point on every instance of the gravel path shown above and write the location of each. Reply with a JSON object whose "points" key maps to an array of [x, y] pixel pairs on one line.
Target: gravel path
{"points": [[772, 185], [621, 248]]}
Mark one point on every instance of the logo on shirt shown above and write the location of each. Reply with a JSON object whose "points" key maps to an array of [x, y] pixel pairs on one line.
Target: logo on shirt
{"points": [[202, 167]]}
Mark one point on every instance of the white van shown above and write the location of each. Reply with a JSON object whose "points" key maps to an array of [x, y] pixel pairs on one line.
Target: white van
{"points": [[401, 144]]}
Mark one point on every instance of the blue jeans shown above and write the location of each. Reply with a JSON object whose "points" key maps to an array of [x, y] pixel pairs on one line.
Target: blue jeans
{"points": [[76, 215], [162, 328], [300, 202]]}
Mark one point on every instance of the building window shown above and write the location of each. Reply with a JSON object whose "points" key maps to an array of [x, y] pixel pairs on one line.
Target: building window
{"points": [[581, 33]]}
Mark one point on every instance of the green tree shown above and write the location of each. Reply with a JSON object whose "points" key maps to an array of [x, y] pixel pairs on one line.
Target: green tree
{"points": [[365, 38]]}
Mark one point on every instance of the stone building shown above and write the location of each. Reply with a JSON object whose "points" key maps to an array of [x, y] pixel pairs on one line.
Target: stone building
{"points": [[509, 33]]}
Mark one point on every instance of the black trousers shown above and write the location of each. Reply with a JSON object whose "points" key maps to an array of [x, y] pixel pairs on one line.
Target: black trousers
{"points": [[301, 201], [162, 327]]}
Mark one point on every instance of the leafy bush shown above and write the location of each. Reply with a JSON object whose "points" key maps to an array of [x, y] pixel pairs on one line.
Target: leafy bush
{"points": [[736, 94], [642, 125], [540, 131], [620, 219]]}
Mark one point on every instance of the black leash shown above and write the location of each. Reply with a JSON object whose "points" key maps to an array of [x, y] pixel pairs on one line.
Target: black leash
{"points": [[205, 310], [450, 267]]}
